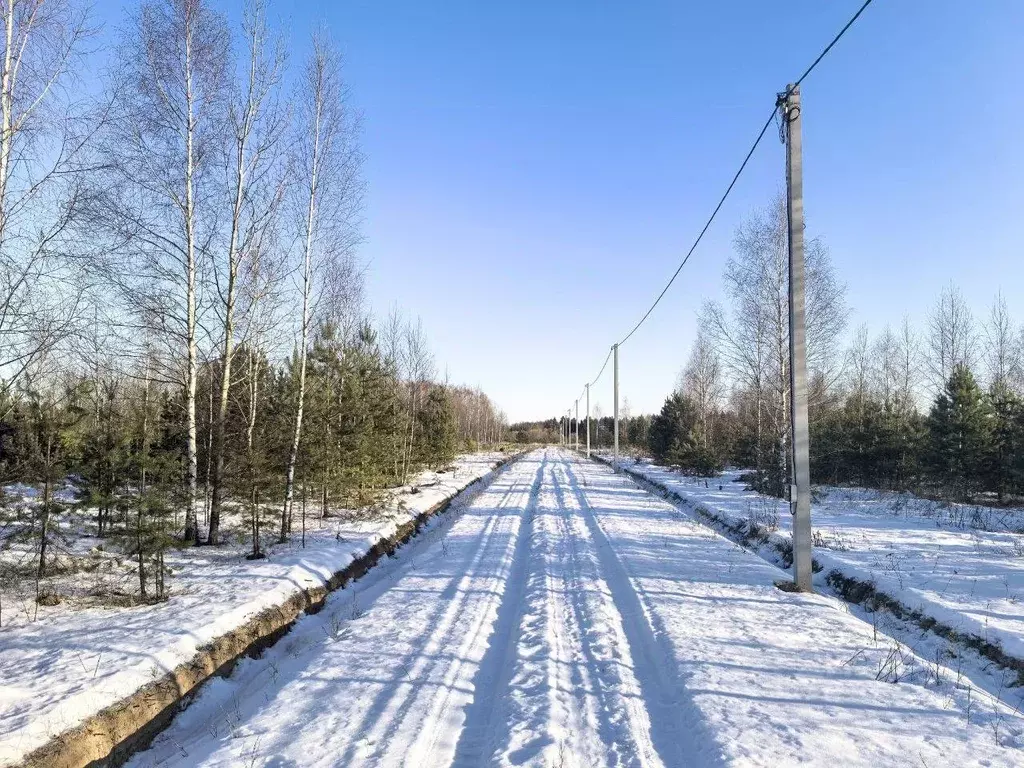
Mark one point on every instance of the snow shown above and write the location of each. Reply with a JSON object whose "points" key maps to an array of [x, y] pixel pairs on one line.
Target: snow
{"points": [[933, 557], [70, 664], [565, 617], [65, 493]]}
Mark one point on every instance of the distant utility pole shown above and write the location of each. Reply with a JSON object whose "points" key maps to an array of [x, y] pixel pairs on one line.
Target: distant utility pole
{"points": [[577, 425], [800, 491], [588, 421], [615, 368]]}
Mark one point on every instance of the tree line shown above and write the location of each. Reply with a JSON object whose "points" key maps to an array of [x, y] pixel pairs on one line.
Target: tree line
{"points": [[182, 321], [633, 430], [938, 410]]}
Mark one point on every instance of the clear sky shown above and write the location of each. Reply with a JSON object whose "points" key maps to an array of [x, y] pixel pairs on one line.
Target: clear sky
{"points": [[537, 168]]}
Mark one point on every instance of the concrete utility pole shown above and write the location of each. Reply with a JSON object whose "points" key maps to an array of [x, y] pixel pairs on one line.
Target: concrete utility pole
{"points": [[588, 421], [615, 368], [577, 404], [800, 491]]}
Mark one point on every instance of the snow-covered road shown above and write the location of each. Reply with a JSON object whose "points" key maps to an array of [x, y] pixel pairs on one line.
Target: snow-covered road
{"points": [[564, 617]]}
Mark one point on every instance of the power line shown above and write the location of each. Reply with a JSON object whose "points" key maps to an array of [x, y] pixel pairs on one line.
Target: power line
{"points": [[707, 225], [743, 166], [603, 366], [732, 183], [829, 46]]}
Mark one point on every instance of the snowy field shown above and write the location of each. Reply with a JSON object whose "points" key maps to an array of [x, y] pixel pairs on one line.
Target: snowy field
{"points": [[564, 617], [78, 658], [960, 564]]}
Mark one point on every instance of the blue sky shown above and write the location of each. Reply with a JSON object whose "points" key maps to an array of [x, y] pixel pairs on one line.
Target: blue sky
{"points": [[537, 169]]}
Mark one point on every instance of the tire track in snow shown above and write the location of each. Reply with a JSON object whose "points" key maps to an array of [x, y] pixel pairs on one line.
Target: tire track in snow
{"points": [[675, 722], [385, 721], [568, 681], [512, 723], [496, 666], [572, 699], [612, 688], [445, 716]]}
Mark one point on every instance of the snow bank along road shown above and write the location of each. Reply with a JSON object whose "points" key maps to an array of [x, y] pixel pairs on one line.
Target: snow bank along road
{"points": [[958, 564], [565, 617], [59, 671]]}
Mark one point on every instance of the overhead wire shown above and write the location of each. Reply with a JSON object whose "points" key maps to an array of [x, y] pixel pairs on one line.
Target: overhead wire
{"points": [[603, 366], [829, 46], [707, 225], [789, 90]]}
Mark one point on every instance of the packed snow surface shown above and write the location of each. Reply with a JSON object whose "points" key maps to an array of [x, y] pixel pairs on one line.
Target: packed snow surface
{"points": [[960, 564], [69, 664], [564, 617]]}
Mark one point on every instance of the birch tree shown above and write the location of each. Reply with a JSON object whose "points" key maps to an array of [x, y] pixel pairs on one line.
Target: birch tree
{"points": [[702, 381], [255, 123], [327, 196], [156, 201], [897, 366], [419, 368], [260, 293], [1001, 345], [951, 337], [391, 348], [44, 133], [753, 333]]}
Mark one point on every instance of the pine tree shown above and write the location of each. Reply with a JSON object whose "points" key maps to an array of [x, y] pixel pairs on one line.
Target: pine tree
{"points": [[900, 431], [355, 427], [675, 437], [320, 457], [668, 425], [105, 451], [829, 446], [53, 414], [1007, 440], [384, 391], [437, 428], [159, 445], [259, 441], [960, 428]]}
